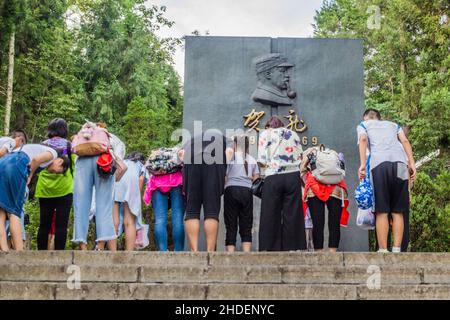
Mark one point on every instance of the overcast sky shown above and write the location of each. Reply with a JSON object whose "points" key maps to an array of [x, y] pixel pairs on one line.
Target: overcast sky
{"points": [[264, 18]]}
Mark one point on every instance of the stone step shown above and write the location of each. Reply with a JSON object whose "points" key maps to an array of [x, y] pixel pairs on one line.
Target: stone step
{"points": [[185, 275], [222, 259], [224, 274], [187, 291]]}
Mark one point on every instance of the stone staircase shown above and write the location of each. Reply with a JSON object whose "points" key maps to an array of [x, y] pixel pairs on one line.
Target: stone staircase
{"points": [[218, 276]]}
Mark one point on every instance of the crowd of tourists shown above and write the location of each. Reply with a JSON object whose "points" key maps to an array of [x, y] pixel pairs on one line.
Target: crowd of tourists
{"points": [[92, 174]]}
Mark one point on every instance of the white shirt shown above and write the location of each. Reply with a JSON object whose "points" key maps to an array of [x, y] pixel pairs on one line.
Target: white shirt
{"points": [[384, 145], [236, 175], [33, 150], [280, 150], [8, 143]]}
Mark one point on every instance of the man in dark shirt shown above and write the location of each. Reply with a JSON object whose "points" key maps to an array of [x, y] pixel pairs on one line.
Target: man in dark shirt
{"points": [[203, 183]]}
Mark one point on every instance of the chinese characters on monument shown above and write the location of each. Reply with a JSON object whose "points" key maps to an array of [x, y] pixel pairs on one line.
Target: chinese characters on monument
{"points": [[254, 118]]}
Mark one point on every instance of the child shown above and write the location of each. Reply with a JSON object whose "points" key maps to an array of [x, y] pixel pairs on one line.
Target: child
{"points": [[238, 208]]}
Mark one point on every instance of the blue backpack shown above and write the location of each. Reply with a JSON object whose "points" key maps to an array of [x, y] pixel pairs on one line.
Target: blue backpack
{"points": [[364, 192]]}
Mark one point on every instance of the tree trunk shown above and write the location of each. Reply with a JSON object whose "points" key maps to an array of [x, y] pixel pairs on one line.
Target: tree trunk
{"points": [[9, 93]]}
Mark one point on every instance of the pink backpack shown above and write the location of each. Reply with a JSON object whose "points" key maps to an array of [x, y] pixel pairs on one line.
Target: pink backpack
{"points": [[91, 140]]}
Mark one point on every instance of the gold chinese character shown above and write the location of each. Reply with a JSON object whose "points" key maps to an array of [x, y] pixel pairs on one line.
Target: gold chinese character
{"points": [[252, 119], [294, 122]]}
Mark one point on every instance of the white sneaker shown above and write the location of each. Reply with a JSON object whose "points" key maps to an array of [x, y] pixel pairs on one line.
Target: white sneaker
{"points": [[383, 251], [396, 249]]}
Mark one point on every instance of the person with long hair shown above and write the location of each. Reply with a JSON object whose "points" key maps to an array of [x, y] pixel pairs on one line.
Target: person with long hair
{"points": [[55, 191], [282, 225], [242, 170]]}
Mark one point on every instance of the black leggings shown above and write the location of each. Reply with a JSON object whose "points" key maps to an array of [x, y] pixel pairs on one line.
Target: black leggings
{"points": [[48, 206], [238, 212], [317, 210]]}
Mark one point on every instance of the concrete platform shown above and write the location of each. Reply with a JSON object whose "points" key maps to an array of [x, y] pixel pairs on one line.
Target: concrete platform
{"points": [[273, 275]]}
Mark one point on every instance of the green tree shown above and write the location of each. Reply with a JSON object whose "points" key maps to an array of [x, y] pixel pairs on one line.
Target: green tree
{"points": [[44, 80], [120, 58], [147, 123], [407, 77]]}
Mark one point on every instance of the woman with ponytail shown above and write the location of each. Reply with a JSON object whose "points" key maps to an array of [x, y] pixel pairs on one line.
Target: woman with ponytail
{"points": [[55, 191], [242, 170]]}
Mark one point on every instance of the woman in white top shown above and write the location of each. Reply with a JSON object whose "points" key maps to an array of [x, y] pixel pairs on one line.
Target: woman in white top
{"points": [[16, 171], [127, 211]]}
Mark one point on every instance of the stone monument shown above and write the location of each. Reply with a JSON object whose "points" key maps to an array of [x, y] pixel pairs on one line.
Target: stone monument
{"points": [[315, 85]]}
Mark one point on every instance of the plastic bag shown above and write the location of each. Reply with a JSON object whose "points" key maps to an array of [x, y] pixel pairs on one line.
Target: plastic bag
{"points": [[142, 239], [365, 219], [308, 220]]}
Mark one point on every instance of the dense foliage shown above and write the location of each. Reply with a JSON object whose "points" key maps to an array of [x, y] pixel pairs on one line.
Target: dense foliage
{"points": [[84, 59], [90, 59], [407, 77]]}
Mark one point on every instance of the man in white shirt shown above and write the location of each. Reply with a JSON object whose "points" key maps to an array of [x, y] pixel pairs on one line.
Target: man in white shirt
{"points": [[8, 144], [391, 166]]}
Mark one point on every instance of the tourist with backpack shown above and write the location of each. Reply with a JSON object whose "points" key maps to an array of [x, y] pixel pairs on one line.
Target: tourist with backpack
{"points": [[94, 168], [391, 167], [127, 212], [164, 189], [282, 225], [16, 170], [323, 172], [242, 170], [55, 191]]}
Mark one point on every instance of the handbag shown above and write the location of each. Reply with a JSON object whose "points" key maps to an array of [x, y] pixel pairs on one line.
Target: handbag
{"points": [[120, 165], [257, 185]]}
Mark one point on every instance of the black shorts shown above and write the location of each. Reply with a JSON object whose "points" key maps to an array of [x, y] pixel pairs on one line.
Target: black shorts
{"points": [[391, 187], [203, 184]]}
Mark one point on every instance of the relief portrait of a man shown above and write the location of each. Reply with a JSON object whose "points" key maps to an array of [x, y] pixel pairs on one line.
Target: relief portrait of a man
{"points": [[273, 80]]}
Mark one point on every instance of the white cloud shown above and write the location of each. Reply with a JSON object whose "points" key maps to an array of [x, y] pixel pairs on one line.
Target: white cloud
{"points": [[269, 18]]}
